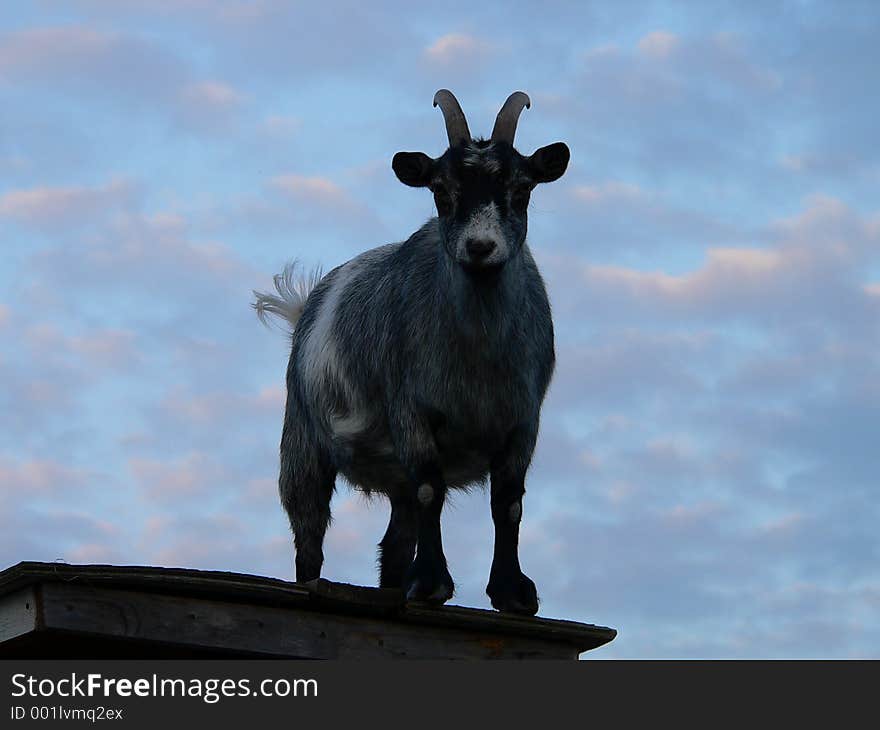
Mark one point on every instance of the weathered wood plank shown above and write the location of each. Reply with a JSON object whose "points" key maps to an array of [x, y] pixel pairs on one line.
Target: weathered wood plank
{"points": [[18, 613], [271, 630], [583, 636], [188, 581], [330, 594]]}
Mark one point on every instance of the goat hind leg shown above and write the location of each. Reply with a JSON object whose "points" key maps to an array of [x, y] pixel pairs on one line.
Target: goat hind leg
{"points": [[305, 495]]}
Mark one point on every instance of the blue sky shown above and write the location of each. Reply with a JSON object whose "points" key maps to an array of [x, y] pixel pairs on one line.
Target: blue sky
{"points": [[707, 475]]}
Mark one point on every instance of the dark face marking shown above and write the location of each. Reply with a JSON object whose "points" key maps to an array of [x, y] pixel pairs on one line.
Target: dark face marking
{"points": [[482, 193]]}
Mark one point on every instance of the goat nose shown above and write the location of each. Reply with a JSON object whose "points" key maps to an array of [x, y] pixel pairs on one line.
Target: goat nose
{"points": [[479, 248]]}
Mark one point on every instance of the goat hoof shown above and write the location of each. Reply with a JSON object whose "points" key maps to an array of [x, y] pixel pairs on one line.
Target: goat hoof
{"points": [[429, 582], [513, 594]]}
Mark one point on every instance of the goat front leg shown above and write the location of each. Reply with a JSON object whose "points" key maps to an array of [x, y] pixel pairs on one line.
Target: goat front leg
{"points": [[428, 577], [398, 546], [509, 588]]}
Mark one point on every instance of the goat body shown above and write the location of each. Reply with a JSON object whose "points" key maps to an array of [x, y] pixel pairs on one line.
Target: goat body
{"points": [[421, 366]]}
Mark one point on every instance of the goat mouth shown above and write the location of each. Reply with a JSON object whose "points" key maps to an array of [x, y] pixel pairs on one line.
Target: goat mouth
{"points": [[482, 271]]}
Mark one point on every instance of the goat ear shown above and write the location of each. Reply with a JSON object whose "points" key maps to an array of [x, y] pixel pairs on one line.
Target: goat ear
{"points": [[550, 162], [413, 168]]}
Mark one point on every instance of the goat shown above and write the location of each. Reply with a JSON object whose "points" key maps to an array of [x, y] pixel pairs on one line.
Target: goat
{"points": [[421, 366]]}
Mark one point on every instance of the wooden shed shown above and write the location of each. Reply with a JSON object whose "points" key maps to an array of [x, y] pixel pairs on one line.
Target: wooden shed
{"points": [[56, 610]]}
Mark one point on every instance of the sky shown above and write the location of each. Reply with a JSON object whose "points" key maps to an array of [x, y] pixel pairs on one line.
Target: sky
{"points": [[707, 478]]}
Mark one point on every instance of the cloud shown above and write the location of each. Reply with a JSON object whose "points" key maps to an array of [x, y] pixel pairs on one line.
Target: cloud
{"points": [[101, 349], [615, 219], [316, 202], [608, 192], [41, 50], [823, 248], [223, 406], [215, 95], [621, 367], [53, 208], [457, 49], [719, 57], [659, 44], [73, 59], [190, 476], [208, 104], [282, 125], [130, 70], [139, 252], [39, 476], [316, 190]]}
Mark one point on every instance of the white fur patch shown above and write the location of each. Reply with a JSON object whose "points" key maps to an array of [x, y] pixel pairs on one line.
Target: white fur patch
{"points": [[293, 291], [485, 223], [321, 363], [425, 494], [515, 512]]}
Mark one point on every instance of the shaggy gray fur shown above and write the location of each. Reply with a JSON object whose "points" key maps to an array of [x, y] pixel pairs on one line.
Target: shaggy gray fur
{"points": [[421, 366]]}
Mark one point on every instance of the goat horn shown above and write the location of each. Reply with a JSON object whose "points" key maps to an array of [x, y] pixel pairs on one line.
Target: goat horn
{"points": [[505, 123], [456, 124]]}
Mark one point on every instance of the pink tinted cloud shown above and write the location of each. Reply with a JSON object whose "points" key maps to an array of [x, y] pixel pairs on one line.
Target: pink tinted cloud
{"points": [[727, 274], [139, 252], [611, 191], [684, 516], [43, 476], [219, 541], [216, 407], [457, 49], [281, 125], [56, 207], [658, 44], [129, 67], [316, 190], [208, 104], [73, 59], [723, 56], [320, 201], [42, 50], [110, 347], [102, 348], [826, 246], [213, 95], [93, 553], [187, 476]]}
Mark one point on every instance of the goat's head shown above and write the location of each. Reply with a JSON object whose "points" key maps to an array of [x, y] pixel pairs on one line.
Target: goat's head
{"points": [[482, 187]]}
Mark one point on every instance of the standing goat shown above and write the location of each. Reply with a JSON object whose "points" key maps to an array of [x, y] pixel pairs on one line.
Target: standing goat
{"points": [[421, 366]]}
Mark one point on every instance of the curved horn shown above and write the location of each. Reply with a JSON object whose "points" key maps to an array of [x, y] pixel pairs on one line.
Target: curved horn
{"points": [[456, 124], [505, 123]]}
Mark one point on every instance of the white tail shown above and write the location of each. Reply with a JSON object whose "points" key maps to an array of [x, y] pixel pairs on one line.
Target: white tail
{"points": [[293, 291]]}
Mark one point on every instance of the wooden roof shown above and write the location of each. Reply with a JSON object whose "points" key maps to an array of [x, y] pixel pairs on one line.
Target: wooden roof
{"points": [[62, 610]]}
